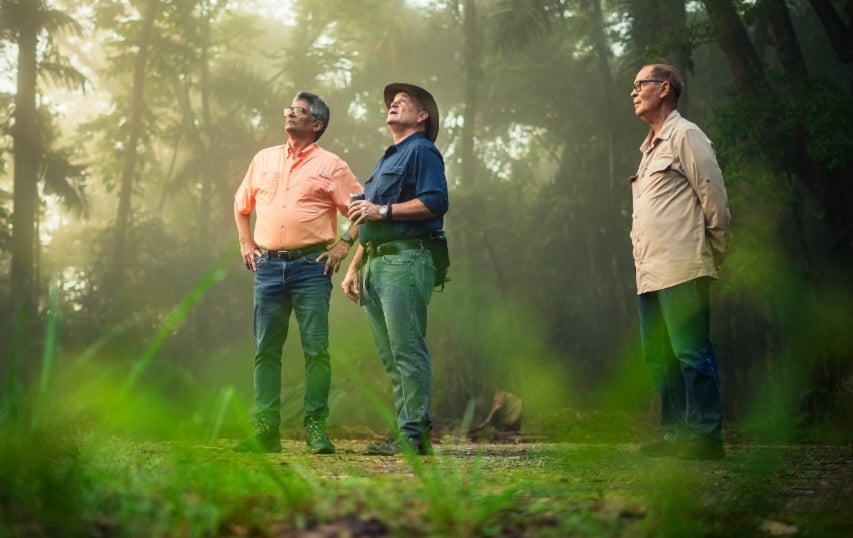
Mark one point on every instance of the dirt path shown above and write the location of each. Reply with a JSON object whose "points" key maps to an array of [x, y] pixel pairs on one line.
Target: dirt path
{"points": [[756, 490]]}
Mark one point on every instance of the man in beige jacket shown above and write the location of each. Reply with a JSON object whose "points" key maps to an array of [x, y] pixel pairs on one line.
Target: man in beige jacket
{"points": [[680, 234]]}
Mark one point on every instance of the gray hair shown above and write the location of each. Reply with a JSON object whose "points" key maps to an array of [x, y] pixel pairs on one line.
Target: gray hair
{"points": [[670, 74], [319, 109]]}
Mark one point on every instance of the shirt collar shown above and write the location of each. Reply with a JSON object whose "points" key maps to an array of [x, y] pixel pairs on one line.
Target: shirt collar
{"points": [[409, 139], [665, 131], [299, 154]]}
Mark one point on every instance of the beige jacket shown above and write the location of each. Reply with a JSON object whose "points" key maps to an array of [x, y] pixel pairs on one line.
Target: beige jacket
{"points": [[681, 219]]}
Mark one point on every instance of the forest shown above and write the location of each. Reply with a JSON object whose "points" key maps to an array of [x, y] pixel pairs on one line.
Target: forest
{"points": [[127, 126]]}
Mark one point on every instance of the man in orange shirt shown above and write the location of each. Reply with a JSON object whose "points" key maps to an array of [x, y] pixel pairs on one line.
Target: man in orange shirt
{"points": [[296, 190]]}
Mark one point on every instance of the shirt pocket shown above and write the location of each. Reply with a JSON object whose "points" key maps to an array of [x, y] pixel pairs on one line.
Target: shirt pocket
{"points": [[266, 186], [314, 188], [658, 176], [390, 184], [659, 164]]}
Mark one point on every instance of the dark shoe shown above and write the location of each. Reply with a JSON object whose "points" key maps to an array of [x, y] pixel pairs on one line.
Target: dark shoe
{"points": [[390, 446], [660, 449], [424, 447], [264, 438], [316, 437], [702, 449]]}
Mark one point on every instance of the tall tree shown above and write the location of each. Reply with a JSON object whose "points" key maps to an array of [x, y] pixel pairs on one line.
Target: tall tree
{"points": [[136, 108], [30, 24], [602, 55], [473, 73], [734, 41], [797, 147], [25, 17], [840, 33]]}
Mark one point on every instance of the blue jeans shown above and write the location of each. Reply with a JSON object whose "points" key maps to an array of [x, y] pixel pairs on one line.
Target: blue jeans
{"points": [[396, 291], [282, 287], [674, 327]]}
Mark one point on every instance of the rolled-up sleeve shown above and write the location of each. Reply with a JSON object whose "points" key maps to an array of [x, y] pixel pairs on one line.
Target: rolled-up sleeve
{"points": [[244, 198], [432, 181], [703, 172], [345, 184]]}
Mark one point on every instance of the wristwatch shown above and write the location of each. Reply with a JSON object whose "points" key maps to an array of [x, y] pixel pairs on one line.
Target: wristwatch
{"points": [[347, 238], [385, 211]]}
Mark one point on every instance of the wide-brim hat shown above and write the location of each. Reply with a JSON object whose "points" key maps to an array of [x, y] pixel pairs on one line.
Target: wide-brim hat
{"points": [[424, 98]]}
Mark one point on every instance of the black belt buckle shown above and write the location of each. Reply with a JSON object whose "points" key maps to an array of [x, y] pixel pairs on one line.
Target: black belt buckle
{"points": [[285, 255], [290, 255]]}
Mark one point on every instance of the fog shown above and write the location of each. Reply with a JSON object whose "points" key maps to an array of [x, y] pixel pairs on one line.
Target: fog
{"points": [[136, 282]]}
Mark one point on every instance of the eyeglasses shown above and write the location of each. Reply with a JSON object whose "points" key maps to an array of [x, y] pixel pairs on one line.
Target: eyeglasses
{"points": [[295, 110], [638, 85]]}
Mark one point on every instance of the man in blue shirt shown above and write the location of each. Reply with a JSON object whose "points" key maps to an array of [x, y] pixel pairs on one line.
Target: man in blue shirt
{"points": [[392, 272]]}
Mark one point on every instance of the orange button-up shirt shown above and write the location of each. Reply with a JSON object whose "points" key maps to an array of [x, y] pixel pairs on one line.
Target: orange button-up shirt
{"points": [[296, 197]]}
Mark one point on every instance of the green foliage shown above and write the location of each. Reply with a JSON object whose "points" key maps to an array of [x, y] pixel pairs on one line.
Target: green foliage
{"points": [[746, 131], [43, 478], [541, 304], [43, 481], [69, 464], [824, 108], [484, 344]]}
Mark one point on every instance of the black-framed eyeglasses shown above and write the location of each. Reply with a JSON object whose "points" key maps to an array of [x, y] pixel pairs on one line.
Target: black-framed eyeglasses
{"points": [[295, 110], [638, 84]]}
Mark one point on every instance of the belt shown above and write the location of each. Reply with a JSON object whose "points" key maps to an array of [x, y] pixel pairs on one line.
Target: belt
{"points": [[288, 255], [394, 246]]}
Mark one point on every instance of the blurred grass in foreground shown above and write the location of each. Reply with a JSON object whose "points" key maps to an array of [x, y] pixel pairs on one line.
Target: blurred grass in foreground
{"points": [[113, 446]]}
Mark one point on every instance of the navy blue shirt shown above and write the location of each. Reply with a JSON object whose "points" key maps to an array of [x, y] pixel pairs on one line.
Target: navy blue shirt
{"points": [[411, 169]]}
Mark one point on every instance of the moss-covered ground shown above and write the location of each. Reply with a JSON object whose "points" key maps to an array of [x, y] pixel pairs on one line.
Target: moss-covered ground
{"points": [[143, 488]]}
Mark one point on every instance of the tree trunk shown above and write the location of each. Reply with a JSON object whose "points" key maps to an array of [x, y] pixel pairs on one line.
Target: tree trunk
{"points": [[786, 42], [26, 155], [602, 52], [674, 15], [735, 44], [830, 187], [206, 128], [202, 323], [839, 33], [134, 129], [472, 91]]}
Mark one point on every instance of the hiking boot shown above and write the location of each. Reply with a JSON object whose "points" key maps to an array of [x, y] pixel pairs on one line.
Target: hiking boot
{"points": [[702, 449], [390, 446], [424, 447], [264, 438], [660, 449], [316, 438]]}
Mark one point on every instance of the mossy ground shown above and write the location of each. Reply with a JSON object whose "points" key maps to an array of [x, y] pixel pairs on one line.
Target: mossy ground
{"points": [[140, 488]]}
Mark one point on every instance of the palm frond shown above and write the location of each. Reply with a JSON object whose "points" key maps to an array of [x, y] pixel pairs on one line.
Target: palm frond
{"points": [[65, 180], [62, 74], [55, 21], [518, 23]]}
